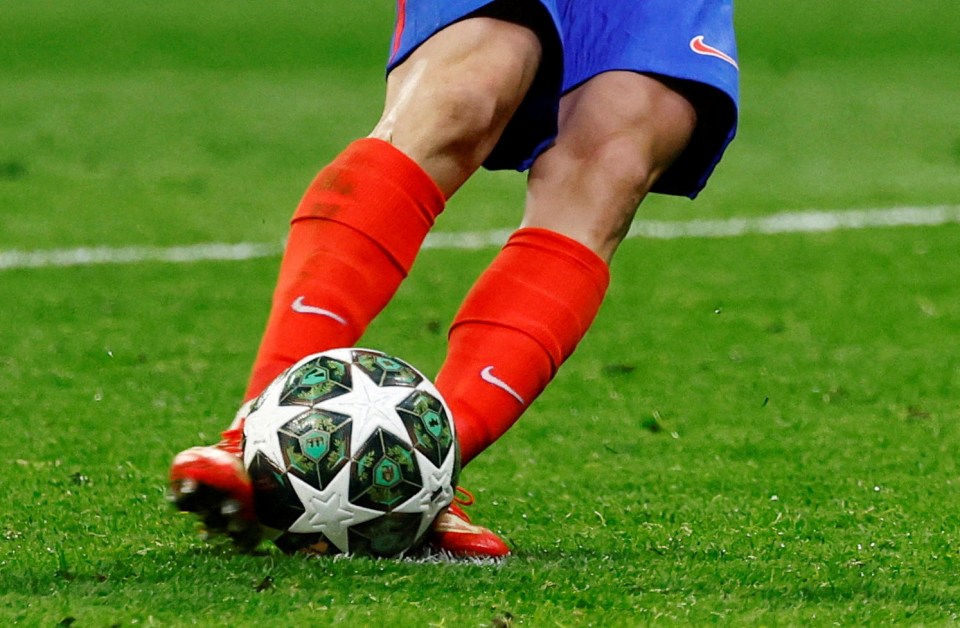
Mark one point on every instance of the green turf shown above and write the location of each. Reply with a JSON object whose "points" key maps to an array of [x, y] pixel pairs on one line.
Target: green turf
{"points": [[758, 430]]}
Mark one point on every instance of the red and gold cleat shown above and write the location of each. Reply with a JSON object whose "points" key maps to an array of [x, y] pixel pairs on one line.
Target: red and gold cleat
{"points": [[454, 533]]}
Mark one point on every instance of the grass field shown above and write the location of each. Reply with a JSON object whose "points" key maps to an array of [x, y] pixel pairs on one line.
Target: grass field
{"points": [[758, 430]]}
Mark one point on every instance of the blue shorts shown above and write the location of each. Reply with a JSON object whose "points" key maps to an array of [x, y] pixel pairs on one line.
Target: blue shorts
{"points": [[690, 43]]}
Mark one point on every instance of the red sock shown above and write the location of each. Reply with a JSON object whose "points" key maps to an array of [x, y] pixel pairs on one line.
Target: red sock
{"points": [[522, 319], [352, 240]]}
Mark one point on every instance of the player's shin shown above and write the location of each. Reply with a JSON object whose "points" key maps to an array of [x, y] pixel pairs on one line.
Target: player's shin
{"points": [[352, 240], [520, 322]]}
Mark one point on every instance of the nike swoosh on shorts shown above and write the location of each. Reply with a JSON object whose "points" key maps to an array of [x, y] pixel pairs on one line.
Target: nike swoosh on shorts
{"points": [[697, 45]]}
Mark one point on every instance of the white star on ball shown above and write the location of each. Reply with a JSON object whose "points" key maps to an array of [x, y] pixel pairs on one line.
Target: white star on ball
{"points": [[260, 430], [435, 479], [329, 511], [372, 407]]}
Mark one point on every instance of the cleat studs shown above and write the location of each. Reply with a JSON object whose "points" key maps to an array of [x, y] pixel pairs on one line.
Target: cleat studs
{"points": [[187, 486], [230, 507]]}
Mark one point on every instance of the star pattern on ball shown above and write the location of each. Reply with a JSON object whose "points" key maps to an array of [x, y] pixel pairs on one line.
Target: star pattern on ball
{"points": [[260, 432], [329, 511], [380, 445], [436, 481], [371, 407]]}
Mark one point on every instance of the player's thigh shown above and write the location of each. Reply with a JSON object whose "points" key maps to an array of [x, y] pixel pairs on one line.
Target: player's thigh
{"points": [[691, 44], [449, 101], [618, 132], [481, 65]]}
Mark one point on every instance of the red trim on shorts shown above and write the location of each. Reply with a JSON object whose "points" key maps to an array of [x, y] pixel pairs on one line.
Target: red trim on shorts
{"points": [[398, 29]]}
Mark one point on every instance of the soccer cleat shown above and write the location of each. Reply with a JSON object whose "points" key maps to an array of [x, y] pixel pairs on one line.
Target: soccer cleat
{"points": [[454, 533], [211, 483]]}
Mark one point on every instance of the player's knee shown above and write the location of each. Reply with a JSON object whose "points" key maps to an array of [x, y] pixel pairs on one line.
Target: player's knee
{"points": [[629, 173], [622, 165], [590, 191], [468, 119]]}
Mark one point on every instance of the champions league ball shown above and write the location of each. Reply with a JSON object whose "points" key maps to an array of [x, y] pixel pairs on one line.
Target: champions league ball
{"points": [[350, 451]]}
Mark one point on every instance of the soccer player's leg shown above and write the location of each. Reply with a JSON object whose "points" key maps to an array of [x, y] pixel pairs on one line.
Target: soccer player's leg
{"points": [[619, 132], [358, 229], [528, 311]]}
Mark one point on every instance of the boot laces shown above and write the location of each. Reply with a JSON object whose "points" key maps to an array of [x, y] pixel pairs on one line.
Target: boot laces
{"points": [[463, 497]]}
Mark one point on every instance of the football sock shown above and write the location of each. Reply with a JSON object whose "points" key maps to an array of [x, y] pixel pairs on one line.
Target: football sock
{"points": [[353, 238], [520, 321]]}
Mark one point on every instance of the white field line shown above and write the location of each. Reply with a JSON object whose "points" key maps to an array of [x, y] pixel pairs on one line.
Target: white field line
{"points": [[786, 222], [133, 254], [799, 222]]}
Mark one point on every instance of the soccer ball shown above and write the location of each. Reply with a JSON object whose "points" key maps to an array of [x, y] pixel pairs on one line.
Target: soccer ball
{"points": [[351, 451]]}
